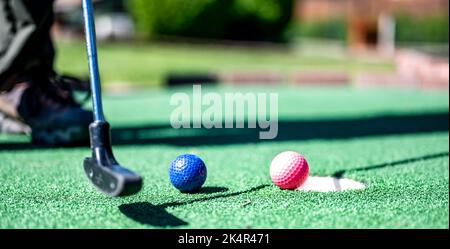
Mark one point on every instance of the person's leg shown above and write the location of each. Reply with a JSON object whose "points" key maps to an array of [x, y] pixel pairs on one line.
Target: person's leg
{"points": [[31, 93], [25, 43]]}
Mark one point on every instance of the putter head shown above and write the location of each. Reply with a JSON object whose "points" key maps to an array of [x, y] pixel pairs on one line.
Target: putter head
{"points": [[113, 180], [102, 169]]}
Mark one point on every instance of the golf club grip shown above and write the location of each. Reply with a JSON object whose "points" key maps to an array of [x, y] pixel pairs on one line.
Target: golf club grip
{"points": [[91, 49]]}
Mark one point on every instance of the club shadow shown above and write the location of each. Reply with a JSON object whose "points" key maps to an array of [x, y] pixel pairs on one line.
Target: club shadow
{"points": [[157, 215], [340, 173], [211, 190], [149, 214]]}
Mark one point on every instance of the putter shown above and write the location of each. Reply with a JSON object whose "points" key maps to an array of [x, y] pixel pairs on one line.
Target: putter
{"points": [[102, 169]]}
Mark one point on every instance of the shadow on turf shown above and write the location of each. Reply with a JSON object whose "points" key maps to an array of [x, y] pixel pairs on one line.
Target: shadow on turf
{"points": [[340, 173], [291, 130], [211, 190], [287, 131], [149, 214], [157, 215]]}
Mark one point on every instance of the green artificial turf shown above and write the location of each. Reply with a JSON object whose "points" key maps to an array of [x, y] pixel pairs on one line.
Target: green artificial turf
{"points": [[394, 141]]}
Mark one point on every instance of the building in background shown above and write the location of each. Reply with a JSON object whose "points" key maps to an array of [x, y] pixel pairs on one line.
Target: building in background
{"points": [[369, 23]]}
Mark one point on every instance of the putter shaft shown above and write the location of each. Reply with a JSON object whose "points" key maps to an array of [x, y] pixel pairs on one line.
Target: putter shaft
{"points": [[91, 47], [102, 169]]}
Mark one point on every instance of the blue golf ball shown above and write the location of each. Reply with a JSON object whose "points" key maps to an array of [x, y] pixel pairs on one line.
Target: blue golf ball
{"points": [[187, 173]]}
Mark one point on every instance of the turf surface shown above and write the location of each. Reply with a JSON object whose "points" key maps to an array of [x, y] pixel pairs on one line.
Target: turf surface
{"points": [[395, 141], [148, 64]]}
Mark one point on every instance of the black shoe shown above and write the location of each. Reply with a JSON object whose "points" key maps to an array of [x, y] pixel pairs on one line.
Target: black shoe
{"points": [[47, 105]]}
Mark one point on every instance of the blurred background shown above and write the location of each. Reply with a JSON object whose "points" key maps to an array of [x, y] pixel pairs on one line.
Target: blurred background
{"points": [[360, 43]]}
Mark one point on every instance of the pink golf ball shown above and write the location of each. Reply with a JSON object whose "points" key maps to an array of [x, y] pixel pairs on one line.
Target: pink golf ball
{"points": [[289, 170]]}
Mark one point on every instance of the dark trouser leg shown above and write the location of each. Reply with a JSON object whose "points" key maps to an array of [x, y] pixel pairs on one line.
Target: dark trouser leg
{"points": [[25, 43]]}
